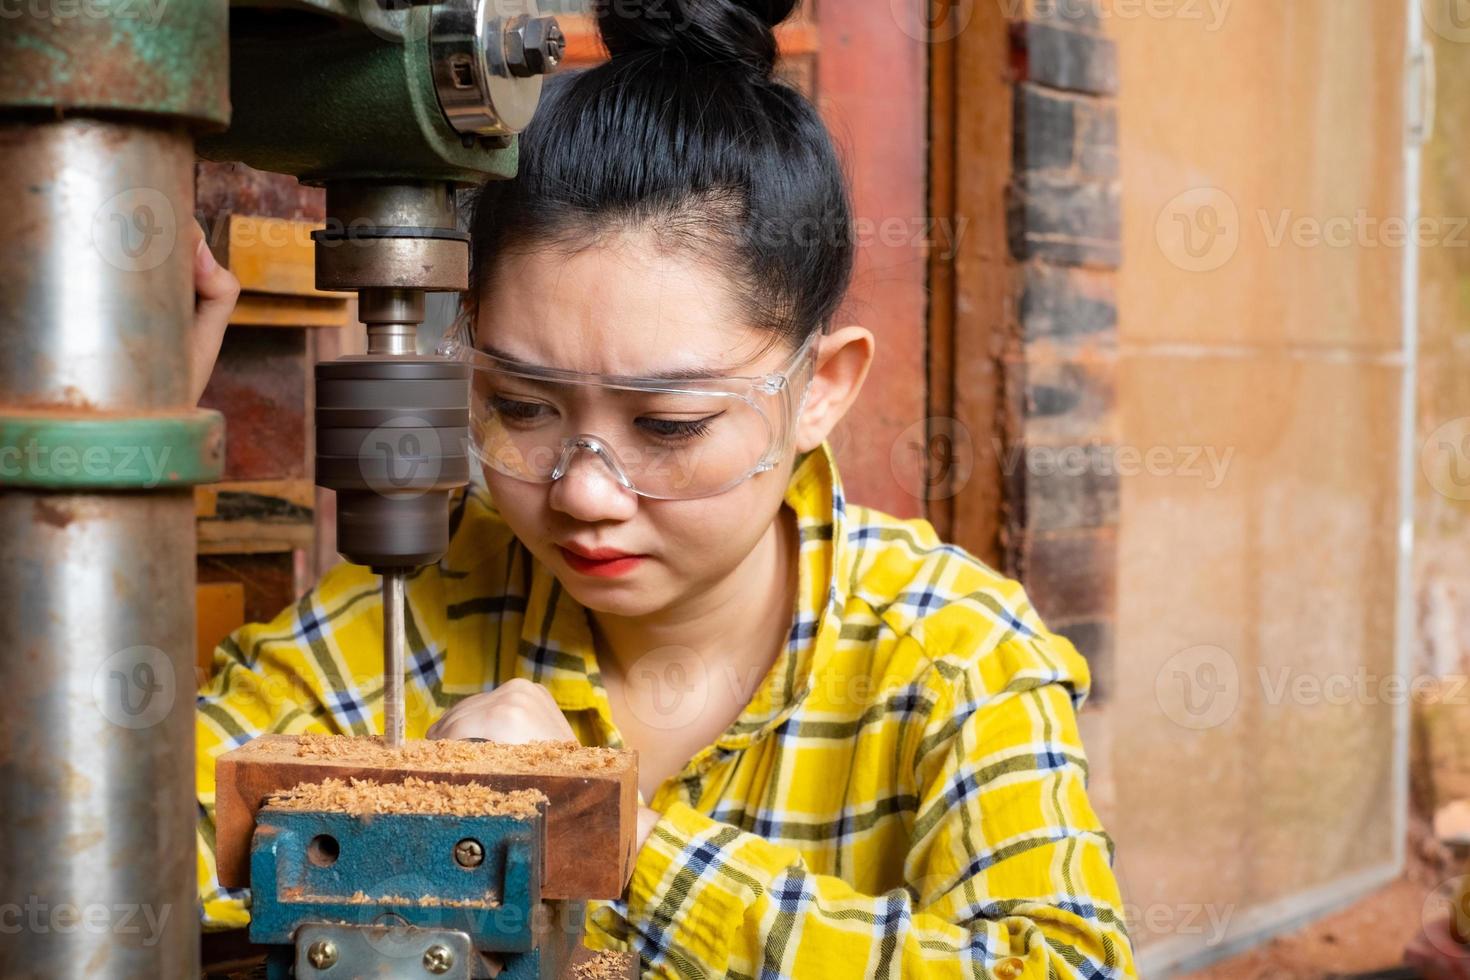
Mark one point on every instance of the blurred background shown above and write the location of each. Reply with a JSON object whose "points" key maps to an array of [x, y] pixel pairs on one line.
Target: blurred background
{"points": [[1173, 305]]}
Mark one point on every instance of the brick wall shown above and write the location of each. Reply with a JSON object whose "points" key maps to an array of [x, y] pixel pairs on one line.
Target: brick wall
{"points": [[1058, 429]]}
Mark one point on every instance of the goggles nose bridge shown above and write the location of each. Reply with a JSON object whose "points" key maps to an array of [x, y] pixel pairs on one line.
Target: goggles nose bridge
{"points": [[572, 445]]}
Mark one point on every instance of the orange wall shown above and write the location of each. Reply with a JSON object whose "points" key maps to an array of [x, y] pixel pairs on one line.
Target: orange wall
{"points": [[1255, 590]]}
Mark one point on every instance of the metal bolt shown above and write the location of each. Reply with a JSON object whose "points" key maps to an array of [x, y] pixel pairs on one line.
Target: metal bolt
{"points": [[468, 853], [438, 959], [534, 46], [322, 953]]}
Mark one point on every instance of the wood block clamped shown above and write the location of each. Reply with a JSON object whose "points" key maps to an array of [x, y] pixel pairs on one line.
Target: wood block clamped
{"points": [[435, 858]]}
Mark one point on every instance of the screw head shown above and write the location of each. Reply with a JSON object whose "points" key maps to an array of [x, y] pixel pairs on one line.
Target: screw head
{"points": [[438, 959], [469, 853], [322, 953]]}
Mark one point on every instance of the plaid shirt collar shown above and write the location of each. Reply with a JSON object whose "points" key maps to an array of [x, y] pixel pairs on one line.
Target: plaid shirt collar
{"points": [[556, 643]]}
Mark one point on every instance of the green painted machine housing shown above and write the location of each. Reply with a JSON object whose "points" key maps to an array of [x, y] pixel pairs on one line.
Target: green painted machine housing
{"points": [[344, 91]]}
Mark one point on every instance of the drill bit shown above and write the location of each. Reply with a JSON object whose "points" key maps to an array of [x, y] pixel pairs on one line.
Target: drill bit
{"points": [[392, 317], [393, 644]]}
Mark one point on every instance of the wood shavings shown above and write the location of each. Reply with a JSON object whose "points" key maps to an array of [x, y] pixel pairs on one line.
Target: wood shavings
{"points": [[449, 755], [413, 795], [424, 901], [606, 965]]}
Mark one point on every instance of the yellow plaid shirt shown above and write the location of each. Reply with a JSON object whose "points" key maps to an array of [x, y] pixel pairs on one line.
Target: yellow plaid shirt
{"points": [[903, 796]]}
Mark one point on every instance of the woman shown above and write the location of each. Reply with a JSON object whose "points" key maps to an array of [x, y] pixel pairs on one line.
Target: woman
{"points": [[858, 752]]}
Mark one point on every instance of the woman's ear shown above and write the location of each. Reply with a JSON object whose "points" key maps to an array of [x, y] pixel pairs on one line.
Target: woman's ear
{"points": [[843, 359]]}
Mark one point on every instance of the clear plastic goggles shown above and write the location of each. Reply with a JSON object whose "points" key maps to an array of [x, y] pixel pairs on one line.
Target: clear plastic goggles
{"points": [[662, 438]]}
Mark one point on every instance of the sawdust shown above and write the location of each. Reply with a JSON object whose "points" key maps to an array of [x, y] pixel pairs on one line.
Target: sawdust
{"points": [[606, 965], [425, 901], [413, 795], [447, 755]]}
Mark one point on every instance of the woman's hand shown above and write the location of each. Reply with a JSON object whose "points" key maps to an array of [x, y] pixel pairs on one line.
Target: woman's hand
{"points": [[516, 711], [215, 292]]}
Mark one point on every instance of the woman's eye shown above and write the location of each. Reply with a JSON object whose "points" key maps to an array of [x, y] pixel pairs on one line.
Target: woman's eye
{"points": [[677, 428], [519, 411]]}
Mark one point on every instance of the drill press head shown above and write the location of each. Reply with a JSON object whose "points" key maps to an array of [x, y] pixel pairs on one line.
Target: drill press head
{"points": [[391, 424]]}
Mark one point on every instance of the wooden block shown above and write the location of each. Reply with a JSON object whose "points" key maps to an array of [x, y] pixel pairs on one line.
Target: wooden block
{"points": [[591, 822], [254, 516], [264, 310], [794, 37], [220, 610], [274, 255]]}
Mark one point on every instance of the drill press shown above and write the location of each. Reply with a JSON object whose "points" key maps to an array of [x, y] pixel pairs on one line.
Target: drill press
{"points": [[393, 106], [392, 110]]}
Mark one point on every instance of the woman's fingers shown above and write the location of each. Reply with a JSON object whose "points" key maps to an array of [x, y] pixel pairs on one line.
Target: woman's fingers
{"points": [[517, 711], [215, 291]]}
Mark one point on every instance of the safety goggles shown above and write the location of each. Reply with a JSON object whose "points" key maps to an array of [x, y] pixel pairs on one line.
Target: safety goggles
{"points": [[664, 438]]}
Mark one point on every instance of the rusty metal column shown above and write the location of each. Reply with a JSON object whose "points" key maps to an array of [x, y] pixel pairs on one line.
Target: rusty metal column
{"points": [[98, 449]]}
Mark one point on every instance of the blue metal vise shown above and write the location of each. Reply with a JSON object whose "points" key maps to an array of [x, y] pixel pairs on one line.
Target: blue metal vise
{"points": [[426, 896]]}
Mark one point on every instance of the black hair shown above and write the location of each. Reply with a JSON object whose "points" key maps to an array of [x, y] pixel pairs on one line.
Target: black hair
{"points": [[686, 132]]}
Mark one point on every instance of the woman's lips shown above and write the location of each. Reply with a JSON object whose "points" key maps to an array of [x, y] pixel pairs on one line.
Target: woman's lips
{"points": [[600, 567]]}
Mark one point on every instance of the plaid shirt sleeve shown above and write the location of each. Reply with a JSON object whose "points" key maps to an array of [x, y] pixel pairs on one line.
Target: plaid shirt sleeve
{"points": [[1008, 873]]}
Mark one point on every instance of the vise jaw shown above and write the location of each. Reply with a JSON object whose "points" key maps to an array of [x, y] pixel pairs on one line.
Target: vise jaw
{"points": [[407, 895]]}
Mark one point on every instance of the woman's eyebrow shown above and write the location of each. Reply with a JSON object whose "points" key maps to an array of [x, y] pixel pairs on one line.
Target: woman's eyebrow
{"points": [[678, 374]]}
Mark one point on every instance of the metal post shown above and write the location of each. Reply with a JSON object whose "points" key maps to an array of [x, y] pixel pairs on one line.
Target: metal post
{"points": [[98, 449]]}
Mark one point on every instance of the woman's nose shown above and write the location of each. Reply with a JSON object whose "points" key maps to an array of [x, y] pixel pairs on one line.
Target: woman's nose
{"points": [[589, 491]]}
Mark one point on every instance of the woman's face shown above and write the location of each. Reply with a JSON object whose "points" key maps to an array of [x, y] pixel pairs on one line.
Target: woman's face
{"points": [[625, 307]]}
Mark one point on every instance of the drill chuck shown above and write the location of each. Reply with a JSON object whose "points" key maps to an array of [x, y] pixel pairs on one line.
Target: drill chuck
{"points": [[391, 433]]}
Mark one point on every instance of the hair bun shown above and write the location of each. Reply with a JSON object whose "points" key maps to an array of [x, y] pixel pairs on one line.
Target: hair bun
{"points": [[734, 32]]}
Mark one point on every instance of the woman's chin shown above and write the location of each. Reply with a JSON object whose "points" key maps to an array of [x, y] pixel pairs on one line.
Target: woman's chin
{"points": [[613, 600], [634, 594]]}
